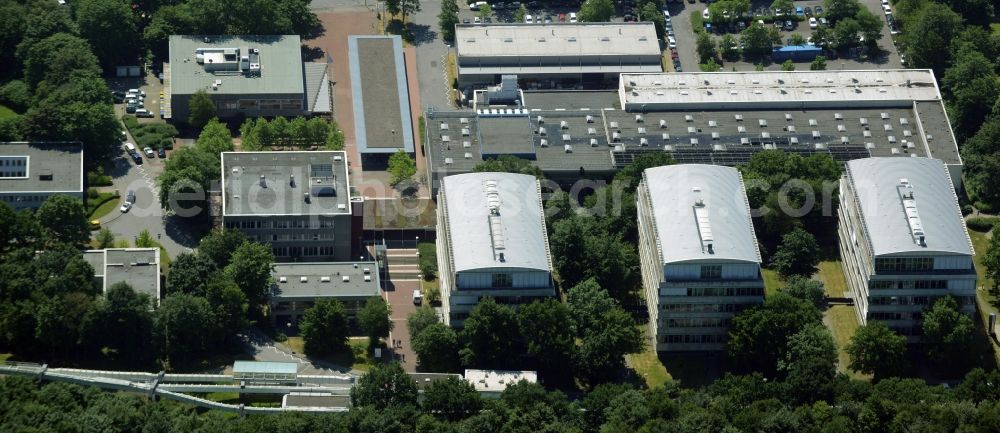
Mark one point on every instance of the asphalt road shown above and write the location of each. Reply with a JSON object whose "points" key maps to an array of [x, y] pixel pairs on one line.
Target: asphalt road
{"points": [[431, 53]]}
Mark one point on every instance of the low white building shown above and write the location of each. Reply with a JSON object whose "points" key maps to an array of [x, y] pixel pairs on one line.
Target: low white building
{"points": [[903, 241], [491, 383], [700, 259], [491, 242]]}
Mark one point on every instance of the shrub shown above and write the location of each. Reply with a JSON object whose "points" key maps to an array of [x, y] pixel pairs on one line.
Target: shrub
{"points": [[981, 224], [98, 179], [428, 260], [16, 95], [92, 193]]}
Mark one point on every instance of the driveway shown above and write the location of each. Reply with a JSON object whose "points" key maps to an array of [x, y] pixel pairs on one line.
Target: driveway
{"points": [[431, 54], [146, 213]]}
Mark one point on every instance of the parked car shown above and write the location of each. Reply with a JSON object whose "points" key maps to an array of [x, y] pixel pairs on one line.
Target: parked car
{"points": [[418, 298], [789, 25], [476, 6], [125, 207], [799, 11], [142, 112], [148, 151], [813, 23], [130, 197], [886, 9], [477, 20], [548, 19], [529, 19], [130, 148], [162, 153], [818, 9], [572, 17], [465, 21], [822, 21], [136, 157], [809, 11], [704, 14], [671, 42]]}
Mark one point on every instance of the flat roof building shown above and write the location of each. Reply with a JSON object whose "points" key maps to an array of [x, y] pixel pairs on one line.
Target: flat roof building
{"points": [[137, 267], [699, 255], [697, 119], [31, 172], [492, 383], [297, 286], [299, 202], [903, 241], [245, 76], [381, 97], [491, 242], [592, 54]]}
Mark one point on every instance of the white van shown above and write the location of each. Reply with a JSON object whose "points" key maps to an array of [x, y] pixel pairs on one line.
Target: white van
{"points": [[477, 5], [529, 19], [418, 298], [572, 17], [129, 147]]}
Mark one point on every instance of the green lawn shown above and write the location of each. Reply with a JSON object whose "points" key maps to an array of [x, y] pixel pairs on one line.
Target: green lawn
{"points": [[832, 276], [5, 356], [996, 28], [357, 357], [772, 281], [103, 205], [647, 365], [6, 112], [980, 242]]}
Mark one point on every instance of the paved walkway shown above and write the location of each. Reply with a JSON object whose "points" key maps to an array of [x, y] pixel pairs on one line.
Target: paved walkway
{"points": [[403, 270]]}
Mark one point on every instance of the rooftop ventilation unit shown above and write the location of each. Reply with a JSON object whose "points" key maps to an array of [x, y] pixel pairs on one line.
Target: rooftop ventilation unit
{"points": [[346, 278], [544, 143], [665, 136], [762, 123], [738, 117], [904, 121], [568, 148], [368, 278], [642, 131], [614, 125], [688, 118], [466, 144], [590, 119], [282, 280], [788, 117], [884, 115], [644, 141], [663, 124], [791, 128], [712, 124], [813, 122], [591, 131], [638, 118], [563, 124], [324, 279], [463, 120], [444, 126], [565, 137], [468, 155], [303, 279], [906, 196], [541, 120], [593, 142], [542, 131]]}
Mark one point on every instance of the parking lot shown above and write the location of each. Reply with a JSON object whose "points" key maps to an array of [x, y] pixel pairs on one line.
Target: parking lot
{"points": [[686, 38]]}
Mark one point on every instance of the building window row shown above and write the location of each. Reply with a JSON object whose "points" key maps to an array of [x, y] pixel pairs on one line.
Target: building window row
{"points": [[11, 174], [894, 315], [703, 308], [696, 323], [725, 291], [24, 198], [909, 284], [501, 280], [904, 264], [280, 224], [710, 338], [7, 162], [318, 236], [917, 300]]}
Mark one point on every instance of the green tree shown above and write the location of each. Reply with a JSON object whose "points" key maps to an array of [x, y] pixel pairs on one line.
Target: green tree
{"points": [[788, 65], [650, 12], [596, 11], [144, 240], [451, 399], [981, 154], [729, 47], [806, 289], [948, 333], [758, 336], [401, 167], [549, 342], [419, 320], [324, 328], [185, 180], [582, 250], [706, 47], [870, 26], [520, 13], [492, 337], [120, 323], [606, 331], [447, 20], [757, 41], [250, 269], [201, 109], [55, 58], [384, 386], [785, 6], [166, 21], [508, 164], [837, 10], [973, 85], [190, 273], [373, 319], [214, 138], [105, 239], [928, 37], [991, 261], [877, 350], [484, 11], [185, 325], [810, 363], [796, 39], [437, 348], [229, 304], [818, 64], [846, 33], [218, 246], [798, 254], [64, 219], [109, 26]]}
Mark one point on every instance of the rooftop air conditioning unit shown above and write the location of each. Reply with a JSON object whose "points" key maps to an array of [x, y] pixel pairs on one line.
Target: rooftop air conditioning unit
{"points": [[368, 277], [347, 278], [324, 279], [303, 279], [282, 280], [368, 270]]}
